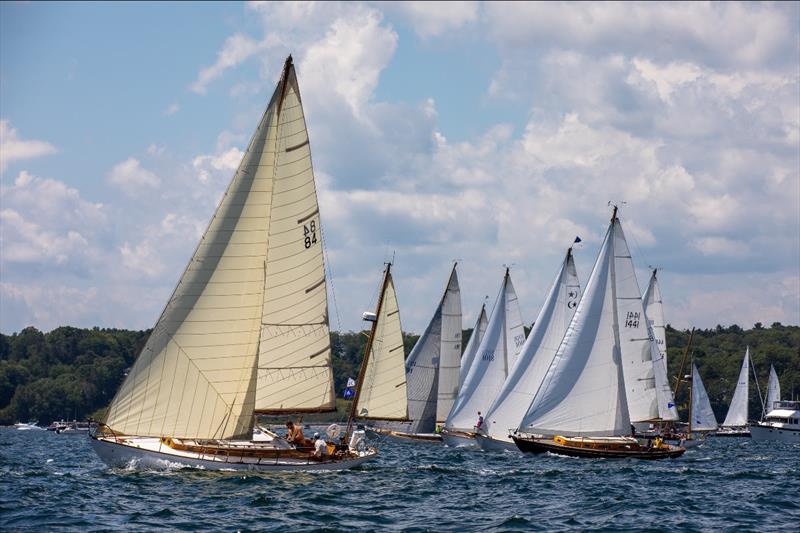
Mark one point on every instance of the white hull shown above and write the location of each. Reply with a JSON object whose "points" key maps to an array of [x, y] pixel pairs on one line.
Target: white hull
{"points": [[459, 440], [495, 445], [143, 457], [759, 432]]}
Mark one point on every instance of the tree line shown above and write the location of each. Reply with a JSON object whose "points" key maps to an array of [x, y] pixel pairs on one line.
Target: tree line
{"points": [[74, 373]]}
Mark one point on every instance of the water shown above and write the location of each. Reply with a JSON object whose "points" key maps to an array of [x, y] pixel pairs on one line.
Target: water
{"points": [[50, 481]]}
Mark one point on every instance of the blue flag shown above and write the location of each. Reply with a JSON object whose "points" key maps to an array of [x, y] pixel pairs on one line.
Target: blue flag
{"points": [[350, 390]]}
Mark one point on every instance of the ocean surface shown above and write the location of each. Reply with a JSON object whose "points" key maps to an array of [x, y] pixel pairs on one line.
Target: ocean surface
{"points": [[55, 482]]}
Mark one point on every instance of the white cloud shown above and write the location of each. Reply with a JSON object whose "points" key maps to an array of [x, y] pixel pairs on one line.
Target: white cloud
{"points": [[12, 148], [431, 19], [155, 150], [719, 246], [172, 109], [222, 164], [132, 178], [236, 49]]}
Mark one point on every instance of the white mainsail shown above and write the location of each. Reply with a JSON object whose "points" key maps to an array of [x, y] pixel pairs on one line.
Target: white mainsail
{"points": [[773, 390], [583, 391], [450, 352], [197, 375], [537, 353], [434, 362], [654, 309], [478, 331], [702, 416], [637, 345], [497, 353], [383, 394], [737, 412]]}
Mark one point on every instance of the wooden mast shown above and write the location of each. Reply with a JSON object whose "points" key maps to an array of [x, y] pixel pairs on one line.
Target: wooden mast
{"points": [[691, 393], [367, 351], [683, 364]]}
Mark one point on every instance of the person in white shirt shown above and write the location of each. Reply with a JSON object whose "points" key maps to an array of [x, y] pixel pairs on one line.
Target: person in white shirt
{"points": [[320, 446]]}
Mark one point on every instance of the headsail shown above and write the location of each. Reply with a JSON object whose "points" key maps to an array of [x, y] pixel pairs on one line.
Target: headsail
{"points": [[382, 394], [773, 390], [583, 391], [537, 353], [196, 376], [703, 418], [737, 412], [497, 353], [654, 309], [478, 331], [433, 362]]}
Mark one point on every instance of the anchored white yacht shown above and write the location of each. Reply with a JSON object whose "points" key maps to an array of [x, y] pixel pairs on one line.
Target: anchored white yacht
{"points": [[781, 423]]}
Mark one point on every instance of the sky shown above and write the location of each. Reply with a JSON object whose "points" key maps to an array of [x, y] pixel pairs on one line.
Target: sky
{"points": [[488, 133]]}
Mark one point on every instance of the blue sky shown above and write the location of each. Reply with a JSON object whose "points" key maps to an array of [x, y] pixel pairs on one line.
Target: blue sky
{"points": [[488, 133]]}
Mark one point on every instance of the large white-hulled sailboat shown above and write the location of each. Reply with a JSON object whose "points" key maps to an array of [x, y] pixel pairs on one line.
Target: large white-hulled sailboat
{"points": [[735, 424], [245, 331], [598, 381], [496, 354], [524, 379], [432, 370]]}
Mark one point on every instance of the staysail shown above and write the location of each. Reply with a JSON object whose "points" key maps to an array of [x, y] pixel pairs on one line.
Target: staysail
{"points": [[496, 354], [773, 390], [702, 416], [478, 331], [212, 348], [737, 412], [583, 391], [434, 361], [537, 353], [383, 393]]}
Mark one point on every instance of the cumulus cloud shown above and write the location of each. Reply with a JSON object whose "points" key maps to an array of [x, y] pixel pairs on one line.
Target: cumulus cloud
{"points": [[13, 148], [236, 49], [431, 19], [172, 109], [132, 178]]}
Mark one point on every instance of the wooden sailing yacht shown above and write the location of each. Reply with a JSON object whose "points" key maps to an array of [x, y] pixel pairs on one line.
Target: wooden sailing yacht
{"points": [[597, 382], [245, 331], [525, 377]]}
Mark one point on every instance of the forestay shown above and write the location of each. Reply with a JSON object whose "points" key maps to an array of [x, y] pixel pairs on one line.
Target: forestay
{"points": [[383, 391], [583, 391], [496, 353], [537, 353], [737, 412], [196, 376], [703, 418]]}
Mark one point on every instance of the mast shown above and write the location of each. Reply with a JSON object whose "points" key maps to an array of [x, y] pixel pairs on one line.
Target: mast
{"points": [[367, 351], [691, 406], [622, 397], [683, 363]]}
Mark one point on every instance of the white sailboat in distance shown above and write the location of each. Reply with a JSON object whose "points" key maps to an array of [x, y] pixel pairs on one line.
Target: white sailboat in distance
{"points": [[735, 424], [245, 331]]}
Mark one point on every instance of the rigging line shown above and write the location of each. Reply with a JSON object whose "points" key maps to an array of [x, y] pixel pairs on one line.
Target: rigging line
{"points": [[327, 262]]}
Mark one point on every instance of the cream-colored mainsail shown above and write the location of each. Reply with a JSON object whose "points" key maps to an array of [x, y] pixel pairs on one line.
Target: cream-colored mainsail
{"points": [[383, 394], [245, 328]]}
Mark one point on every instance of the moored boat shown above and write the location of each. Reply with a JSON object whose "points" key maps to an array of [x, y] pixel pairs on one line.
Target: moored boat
{"points": [[782, 423]]}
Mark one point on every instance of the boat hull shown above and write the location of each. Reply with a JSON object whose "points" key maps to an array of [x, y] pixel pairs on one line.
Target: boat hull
{"points": [[459, 439], [495, 445], [764, 432], [402, 436], [143, 456], [732, 433], [535, 445]]}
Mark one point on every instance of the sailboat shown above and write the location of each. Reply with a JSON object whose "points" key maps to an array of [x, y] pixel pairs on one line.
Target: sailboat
{"points": [[701, 416], [245, 332], [432, 370], [597, 381], [524, 379], [735, 424], [496, 354], [381, 396]]}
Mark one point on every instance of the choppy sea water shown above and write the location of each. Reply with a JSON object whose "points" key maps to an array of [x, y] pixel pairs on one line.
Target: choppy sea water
{"points": [[55, 482]]}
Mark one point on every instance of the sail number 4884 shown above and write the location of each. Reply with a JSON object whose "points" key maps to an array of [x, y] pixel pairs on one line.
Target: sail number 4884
{"points": [[310, 234]]}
